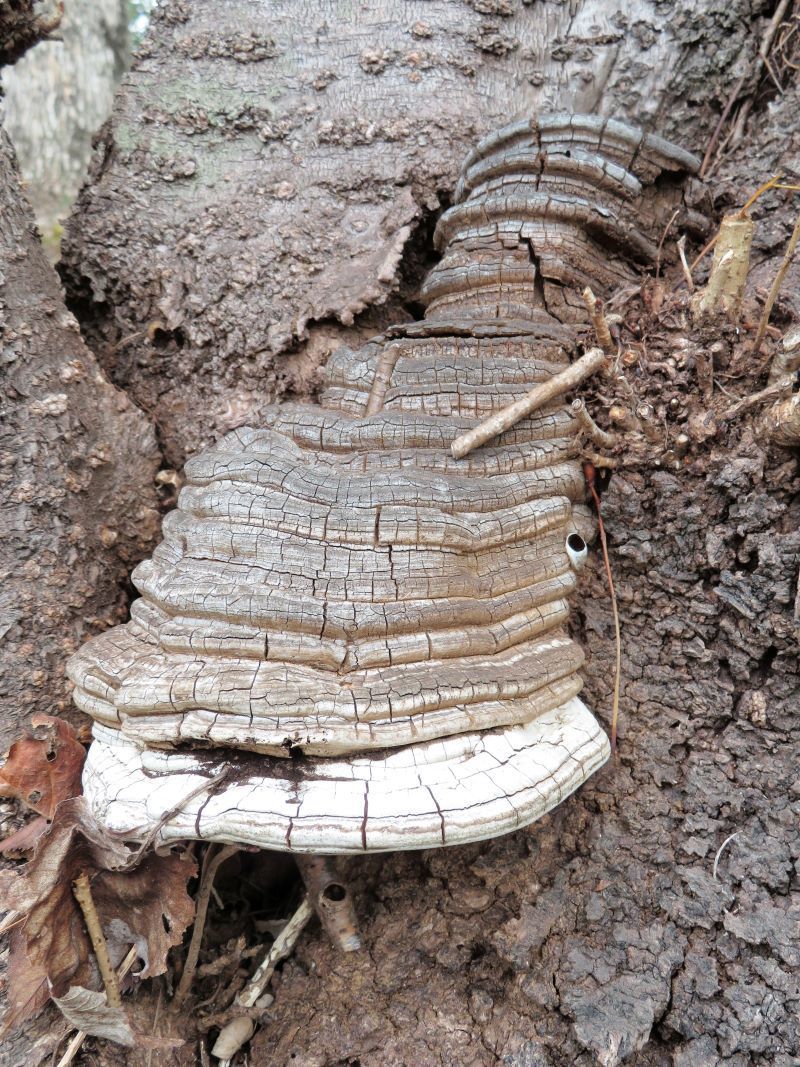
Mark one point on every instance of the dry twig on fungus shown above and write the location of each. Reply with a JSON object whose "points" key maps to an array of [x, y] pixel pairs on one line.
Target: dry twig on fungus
{"points": [[540, 395]]}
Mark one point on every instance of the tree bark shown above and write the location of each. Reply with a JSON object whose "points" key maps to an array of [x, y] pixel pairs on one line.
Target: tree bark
{"points": [[56, 97], [272, 170], [78, 461], [265, 190]]}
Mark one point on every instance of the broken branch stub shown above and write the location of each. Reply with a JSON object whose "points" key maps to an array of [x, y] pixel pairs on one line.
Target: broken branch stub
{"points": [[332, 901], [726, 283], [780, 424], [363, 637]]}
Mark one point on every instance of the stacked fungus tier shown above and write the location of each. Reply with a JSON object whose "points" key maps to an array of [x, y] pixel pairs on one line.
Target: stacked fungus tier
{"points": [[348, 640]]}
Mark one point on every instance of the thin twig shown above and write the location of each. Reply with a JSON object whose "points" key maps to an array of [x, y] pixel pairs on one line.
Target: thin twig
{"points": [[73, 1047], [590, 481], [667, 228], [769, 184], [772, 392], [594, 306], [537, 397], [763, 60], [214, 858], [171, 813], [712, 144], [156, 1014], [83, 894], [776, 285], [280, 949], [684, 265], [602, 438], [253, 991]]}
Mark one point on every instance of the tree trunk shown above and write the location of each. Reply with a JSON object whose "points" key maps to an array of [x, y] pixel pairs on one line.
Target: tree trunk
{"points": [[80, 505], [56, 97], [264, 191], [272, 170]]}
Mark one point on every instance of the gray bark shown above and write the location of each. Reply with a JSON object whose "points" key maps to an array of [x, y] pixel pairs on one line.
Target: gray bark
{"points": [[57, 97]]}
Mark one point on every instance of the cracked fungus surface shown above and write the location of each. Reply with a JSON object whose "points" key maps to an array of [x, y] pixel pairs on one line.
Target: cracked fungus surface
{"points": [[349, 640]]}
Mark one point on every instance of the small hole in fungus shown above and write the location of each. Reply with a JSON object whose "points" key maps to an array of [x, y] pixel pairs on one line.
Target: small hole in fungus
{"points": [[576, 542], [334, 891]]}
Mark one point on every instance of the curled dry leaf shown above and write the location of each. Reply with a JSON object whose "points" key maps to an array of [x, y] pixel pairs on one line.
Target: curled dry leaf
{"points": [[87, 1010], [44, 769], [148, 907]]}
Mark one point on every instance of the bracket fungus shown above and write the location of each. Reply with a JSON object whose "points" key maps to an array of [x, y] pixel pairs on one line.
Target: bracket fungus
{"points": [[352, 639]]}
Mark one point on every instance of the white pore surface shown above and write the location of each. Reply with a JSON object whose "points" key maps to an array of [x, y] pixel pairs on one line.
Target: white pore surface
{"points": [[446, 792]]}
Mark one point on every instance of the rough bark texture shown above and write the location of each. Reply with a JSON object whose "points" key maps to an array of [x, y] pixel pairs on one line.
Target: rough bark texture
{"points": [[78, 462], [267, 165], [56, 97], [23, 24], [600, 933]]}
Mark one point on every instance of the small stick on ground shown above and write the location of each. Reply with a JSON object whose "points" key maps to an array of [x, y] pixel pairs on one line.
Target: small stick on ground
{"points": [[684, 265], [776, 285], [667, 228], [74, 1046], [214, 858], [253, 991], [624, 418], [602, 438], [772, 392], [720, 850], [540, 395], [601, 462], [83, 894], [594, 305]]}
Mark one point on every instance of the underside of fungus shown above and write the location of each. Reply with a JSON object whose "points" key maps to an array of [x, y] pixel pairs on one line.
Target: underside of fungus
{"points": [[350, 640]]}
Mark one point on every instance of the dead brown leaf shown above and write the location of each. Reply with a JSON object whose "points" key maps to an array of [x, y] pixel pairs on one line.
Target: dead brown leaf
{"points": [[44, 769], [147, 906], [24, 839]]}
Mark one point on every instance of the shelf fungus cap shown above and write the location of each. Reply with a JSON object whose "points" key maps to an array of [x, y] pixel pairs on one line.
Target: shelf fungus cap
{"points": [[349, 639], [464, 788]]}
